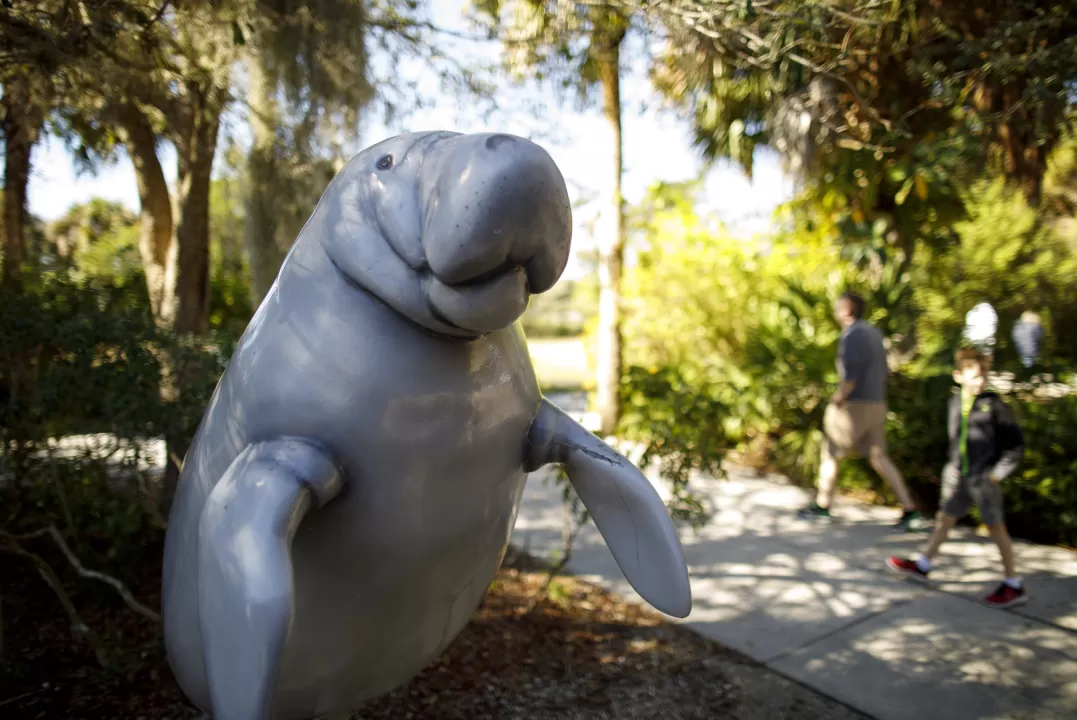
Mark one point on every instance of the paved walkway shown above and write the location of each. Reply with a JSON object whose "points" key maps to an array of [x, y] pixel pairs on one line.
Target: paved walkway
{"points": [[817, 604]]}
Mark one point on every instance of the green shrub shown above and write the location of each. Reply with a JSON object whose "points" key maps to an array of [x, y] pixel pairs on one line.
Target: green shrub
{"points": [[747, 325], [85, 358], [1040, 499], [1008, 256], [680, 425]]}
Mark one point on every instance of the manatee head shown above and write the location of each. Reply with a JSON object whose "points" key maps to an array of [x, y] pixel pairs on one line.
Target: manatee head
{"points": [[453, 231]]}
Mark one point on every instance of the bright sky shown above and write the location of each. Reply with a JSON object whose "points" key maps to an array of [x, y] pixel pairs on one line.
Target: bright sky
{"points": [[656, 148]]}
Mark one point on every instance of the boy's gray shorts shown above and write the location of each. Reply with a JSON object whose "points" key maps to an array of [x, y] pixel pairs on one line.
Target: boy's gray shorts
{"points": [[959, 493]]}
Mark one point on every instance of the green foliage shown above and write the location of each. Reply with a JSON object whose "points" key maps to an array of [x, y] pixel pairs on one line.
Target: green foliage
{"points": [[886, 112], [751, 321], [317, 53], [96, 238], [558, 593], [687, 274], [880, 205], [97, 242], [84, 358], [114, 255], [73, 338], [1005, 255], [680, 426], [788, 371], [732, 344], [101, 503], [562, 42], [1041, 500], [881, 77], [230, 304]]}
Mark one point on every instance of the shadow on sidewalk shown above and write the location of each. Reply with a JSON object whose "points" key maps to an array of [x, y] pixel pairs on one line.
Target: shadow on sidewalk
{"points": [[817, 603]]}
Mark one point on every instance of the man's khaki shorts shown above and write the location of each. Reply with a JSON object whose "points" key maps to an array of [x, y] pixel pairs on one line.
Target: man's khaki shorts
{"points": [[856, 426]]}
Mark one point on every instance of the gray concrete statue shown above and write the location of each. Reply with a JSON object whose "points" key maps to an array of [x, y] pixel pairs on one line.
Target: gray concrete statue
{"points": [[353, 485]]}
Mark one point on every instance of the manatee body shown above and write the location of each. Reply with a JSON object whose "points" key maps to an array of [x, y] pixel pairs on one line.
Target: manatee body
{"points": [[354, 482]]}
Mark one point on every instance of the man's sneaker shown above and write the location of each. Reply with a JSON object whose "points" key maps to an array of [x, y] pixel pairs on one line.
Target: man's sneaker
{"points": [[814, 513], [1007, 596], [911, 521], [906, 566]]}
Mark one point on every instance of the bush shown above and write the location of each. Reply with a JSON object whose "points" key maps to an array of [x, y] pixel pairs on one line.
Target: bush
{"points": [[85, 358], [747, 325], [680, 426], [1040, 499], [1007, 256]]}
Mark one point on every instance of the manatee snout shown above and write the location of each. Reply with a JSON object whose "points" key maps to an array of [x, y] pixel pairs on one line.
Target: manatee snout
{"points": [[496, 227]]}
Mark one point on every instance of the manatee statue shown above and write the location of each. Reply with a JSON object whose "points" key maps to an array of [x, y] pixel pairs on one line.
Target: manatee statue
{"points": [[352, 487]]}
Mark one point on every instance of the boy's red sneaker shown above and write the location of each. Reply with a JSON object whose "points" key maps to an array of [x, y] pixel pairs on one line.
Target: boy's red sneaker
{"points": [[905, 566], [1007, 596]]}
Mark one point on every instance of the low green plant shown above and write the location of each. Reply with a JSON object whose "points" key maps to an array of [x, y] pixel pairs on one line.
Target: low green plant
{"points": [[1041, 499], [681, 428], [83, 357]]}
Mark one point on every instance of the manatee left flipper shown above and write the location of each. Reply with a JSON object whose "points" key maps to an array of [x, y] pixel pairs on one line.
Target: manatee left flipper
{"points": [[245, 593], [627, 510]]}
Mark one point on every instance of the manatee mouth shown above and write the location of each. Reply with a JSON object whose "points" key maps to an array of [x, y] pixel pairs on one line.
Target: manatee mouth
{"points": [[481, 304], [496, 227], [503, 269]]}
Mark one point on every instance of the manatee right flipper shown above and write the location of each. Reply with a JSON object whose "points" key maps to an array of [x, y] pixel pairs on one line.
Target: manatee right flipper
{"points": [[627, 510], [245, 593]]}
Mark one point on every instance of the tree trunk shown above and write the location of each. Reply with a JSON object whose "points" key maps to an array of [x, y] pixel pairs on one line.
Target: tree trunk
{"points": [[1024, 154], [611, 250], [260, 224], [22, 123], [155, 243], [195, 150], [22, 120], [1021, 153], [159, 252], [196, 145]]}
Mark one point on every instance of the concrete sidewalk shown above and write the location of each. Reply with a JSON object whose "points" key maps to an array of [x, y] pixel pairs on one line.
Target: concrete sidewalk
{"points": [[817, 604]]}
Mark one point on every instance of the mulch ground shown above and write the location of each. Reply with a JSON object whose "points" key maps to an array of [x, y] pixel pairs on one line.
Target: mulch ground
{"points": [[580, 653]]}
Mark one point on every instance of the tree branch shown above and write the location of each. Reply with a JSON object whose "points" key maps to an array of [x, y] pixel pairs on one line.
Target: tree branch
{"points": [[121, 589], [79, 629]]}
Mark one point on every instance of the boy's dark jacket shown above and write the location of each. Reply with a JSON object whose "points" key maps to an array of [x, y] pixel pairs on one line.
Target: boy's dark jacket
{"points": [[995, 441]]}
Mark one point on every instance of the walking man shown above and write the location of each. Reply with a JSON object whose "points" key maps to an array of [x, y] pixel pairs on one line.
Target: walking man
{"points": [[855, 419]]}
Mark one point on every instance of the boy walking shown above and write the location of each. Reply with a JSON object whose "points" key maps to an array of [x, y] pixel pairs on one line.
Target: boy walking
{"points": [[986, 447]]}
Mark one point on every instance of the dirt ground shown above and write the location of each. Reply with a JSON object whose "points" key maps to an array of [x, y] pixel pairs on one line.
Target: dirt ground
{"points": [[580, 653]]}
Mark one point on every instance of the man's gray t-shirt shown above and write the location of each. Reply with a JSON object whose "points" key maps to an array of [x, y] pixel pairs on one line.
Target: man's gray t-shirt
{"points": [[862, 358]]}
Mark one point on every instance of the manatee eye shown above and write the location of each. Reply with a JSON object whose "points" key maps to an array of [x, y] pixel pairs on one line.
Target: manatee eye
{"points": [[385, 162]]}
